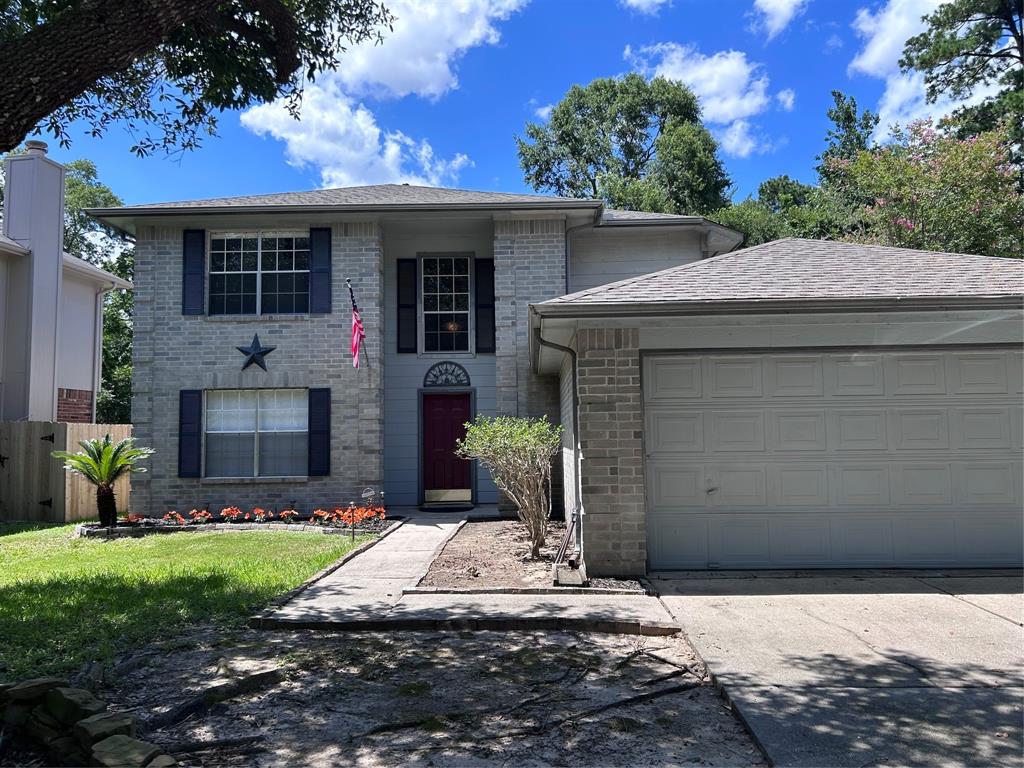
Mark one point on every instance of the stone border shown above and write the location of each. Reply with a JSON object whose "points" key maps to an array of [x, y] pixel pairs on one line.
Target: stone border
{"points": [[485, 624], [89, 531], [524, 591], [291, 594]]}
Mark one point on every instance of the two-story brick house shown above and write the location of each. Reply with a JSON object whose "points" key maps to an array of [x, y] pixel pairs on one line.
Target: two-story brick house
{"points": [[443, 278]]}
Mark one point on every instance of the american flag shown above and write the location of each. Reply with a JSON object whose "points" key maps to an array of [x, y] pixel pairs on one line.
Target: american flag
{"points": [[358, 334]]}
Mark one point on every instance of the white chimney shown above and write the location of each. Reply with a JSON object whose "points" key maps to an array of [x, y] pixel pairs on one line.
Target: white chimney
{"points": [[34, 219]]}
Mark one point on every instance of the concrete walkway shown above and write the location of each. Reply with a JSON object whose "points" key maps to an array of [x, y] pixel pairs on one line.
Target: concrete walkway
{"points": [[865, 669], [366, 594]]}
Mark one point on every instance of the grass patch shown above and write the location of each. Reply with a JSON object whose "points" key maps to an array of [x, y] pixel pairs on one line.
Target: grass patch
{"points": [[65, 601]]}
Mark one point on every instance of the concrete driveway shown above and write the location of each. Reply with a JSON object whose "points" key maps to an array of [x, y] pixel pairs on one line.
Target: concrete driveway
{"points": [[874, 668]]}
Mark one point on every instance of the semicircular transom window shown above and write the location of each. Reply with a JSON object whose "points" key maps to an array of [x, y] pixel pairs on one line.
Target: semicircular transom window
{"points": [[446, 374]]}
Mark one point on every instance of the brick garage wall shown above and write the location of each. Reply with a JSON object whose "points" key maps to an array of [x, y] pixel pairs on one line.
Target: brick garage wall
{"points": [[174, 352], [611, 441], [74, 405], [529, 267]]}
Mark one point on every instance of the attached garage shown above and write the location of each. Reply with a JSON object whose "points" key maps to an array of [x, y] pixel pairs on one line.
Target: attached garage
{"points": [[847, 458], [799, 404]]}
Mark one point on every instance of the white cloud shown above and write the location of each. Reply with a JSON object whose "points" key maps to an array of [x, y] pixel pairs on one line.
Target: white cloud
{"points": [[773, 16], [342, 139], [729, 87], [834, 43], [544, 112], [786, 98], [339, 135], [419, 57], [736, 139], [649, 7], [884, 33]]}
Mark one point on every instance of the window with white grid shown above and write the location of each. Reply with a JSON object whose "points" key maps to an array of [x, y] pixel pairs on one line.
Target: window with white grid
{"points": [[257, 432], [446, 303], [259, 273]]}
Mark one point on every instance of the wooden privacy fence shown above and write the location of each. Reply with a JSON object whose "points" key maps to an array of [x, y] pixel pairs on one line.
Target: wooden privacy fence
{"points": [[34, 486]]}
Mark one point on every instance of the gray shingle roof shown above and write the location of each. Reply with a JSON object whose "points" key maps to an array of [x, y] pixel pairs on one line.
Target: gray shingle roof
{"points": [[793, 269], [382, 195]]}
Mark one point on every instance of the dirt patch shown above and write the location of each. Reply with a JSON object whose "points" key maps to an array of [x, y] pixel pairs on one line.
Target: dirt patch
{"points": [[496, 554], [440, 699]]}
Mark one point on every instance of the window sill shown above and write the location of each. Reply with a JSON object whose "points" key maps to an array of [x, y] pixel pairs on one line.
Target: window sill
{"points": [[231, 480], [273, 318], [447, 355]]}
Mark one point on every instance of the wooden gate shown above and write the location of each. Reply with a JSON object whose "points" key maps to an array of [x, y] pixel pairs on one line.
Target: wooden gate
{"points": [[34, 486]]}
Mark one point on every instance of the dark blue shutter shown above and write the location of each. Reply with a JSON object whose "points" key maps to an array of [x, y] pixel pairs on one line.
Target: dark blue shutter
{"points": [[320, 270], [190, 432], [406, 294], [193, 272], [483, 300], [319, 432]]}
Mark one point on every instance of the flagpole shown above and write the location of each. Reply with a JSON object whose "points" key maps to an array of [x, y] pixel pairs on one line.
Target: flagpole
{"points": [[355, 308]]}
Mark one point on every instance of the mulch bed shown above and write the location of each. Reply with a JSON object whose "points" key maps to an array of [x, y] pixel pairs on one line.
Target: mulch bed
{"points": [[496, 554]]}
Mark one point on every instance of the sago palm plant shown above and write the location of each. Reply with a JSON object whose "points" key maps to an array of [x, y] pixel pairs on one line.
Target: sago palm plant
{"points": [[102, 462]]}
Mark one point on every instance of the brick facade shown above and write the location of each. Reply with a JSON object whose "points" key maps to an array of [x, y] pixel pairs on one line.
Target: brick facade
{"points": [[611, 442], [174, 352], [529, 267], [74, 405]]}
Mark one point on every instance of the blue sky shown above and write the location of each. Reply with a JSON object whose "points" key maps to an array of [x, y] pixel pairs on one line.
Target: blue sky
{"points": [[441, 101]]}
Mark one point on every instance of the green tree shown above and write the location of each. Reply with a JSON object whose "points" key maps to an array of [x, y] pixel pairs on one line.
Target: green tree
{"points": [[970, 45], [850, 133], [102, 462], [757, 221], [165, 68], [930, 190], [781, 193], [637, 144]]}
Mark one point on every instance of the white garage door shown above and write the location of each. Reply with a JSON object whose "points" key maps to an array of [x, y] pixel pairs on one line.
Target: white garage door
{"points": [[891, 458]]}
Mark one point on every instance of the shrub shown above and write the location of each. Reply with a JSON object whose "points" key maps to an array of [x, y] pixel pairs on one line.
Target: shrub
{"points": [[518, 453], [102, 462]]}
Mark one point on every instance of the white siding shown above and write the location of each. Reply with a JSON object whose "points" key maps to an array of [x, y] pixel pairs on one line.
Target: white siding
{"points": [[403, 374], [76, 342], [600, 256]]}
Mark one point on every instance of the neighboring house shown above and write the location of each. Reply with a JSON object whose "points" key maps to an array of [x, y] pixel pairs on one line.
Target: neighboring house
{"points": [[796, 404], [51, 303], [444, 279]]}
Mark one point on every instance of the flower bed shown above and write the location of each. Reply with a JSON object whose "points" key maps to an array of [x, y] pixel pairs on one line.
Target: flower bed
{"points": [[350, 520]]}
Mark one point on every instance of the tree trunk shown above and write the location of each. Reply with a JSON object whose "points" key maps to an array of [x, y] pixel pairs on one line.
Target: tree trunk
{"points": [[106, 505]]}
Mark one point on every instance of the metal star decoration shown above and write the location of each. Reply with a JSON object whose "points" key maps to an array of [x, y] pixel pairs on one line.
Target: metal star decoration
{"points": [[255, 353]]}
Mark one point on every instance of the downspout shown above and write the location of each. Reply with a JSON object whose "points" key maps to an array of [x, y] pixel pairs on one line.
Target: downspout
{"points": [[97, 348], [577, 513]]}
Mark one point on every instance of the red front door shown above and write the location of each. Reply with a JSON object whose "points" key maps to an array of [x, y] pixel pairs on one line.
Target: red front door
{"points": [[444, 419]]}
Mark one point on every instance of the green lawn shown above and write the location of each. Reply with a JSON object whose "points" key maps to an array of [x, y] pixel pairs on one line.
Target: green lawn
{"points": [[64, 601]]}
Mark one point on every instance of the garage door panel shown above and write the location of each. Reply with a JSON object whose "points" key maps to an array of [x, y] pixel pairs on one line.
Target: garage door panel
{"points": [[924, 539], [800, 485], [858, 375], [682, 543], [920, 428], [795, 376], [674, 485], [736, 431], [918, 485], [674, 431], [836, 459], [671, 378], [739, 540], [737, 486], [916, 374], [798, 430], [975, 373], [860, 485], [862, 539], [733, 377], [858, 430], [1015, 372], [981, 427], [800, 540], [984, 484]]}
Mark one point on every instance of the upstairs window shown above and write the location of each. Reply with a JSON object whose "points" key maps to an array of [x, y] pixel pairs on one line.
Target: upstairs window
{"points": [[446, 303], [259, 273]]}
